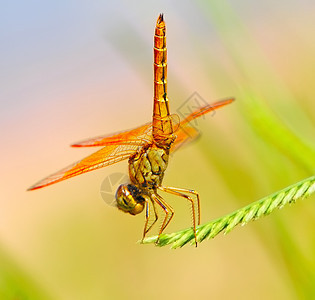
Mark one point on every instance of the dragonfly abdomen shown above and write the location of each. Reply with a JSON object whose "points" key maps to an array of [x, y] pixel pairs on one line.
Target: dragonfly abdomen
{"points": [[161, 124]]}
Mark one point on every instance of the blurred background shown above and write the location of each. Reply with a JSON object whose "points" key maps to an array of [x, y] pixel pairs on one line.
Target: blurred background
{"points": [[70, 70]]}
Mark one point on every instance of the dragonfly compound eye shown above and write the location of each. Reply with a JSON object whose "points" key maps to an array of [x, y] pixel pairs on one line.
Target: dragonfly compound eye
{"points": [[129, 199]]}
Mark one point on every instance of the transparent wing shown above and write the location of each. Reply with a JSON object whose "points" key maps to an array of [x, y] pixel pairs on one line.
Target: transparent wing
{"points": [[143, 134], [184, 135], [122, 145], [137, 136], [104, 157], [206, 109], [187, 133]]}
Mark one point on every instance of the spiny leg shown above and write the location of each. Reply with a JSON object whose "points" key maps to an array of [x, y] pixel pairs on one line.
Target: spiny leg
{"points": [[147, 217], [180, 192], [169, 213]]}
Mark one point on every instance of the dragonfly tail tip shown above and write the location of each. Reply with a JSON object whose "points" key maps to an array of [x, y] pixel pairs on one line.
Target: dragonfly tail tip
{"points": [[161, 18]]}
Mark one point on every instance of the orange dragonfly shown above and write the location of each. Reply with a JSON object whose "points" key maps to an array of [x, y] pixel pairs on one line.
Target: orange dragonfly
{"points": [[147, 149]]}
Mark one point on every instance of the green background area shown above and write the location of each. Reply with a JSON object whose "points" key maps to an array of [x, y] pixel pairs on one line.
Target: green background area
{"points": [[74, 69]]}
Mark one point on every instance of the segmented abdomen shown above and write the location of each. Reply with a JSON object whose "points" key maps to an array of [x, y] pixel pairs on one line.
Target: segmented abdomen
{"points": [[162, 125]]}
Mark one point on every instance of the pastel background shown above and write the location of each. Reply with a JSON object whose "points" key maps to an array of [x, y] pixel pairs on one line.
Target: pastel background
{"points": [[70, 70]]}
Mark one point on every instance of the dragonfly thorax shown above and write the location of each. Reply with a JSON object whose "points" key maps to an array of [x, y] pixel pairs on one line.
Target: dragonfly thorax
{"points": [[129, 199], [147, 167]]}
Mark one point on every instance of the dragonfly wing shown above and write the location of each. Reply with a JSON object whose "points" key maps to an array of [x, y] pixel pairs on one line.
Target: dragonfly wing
{"points": [[104, 157], [206, 109], [187, 133], [137, 136]]}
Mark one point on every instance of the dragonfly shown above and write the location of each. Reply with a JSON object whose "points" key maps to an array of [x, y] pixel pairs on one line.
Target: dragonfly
{"points": [[147, 149]]}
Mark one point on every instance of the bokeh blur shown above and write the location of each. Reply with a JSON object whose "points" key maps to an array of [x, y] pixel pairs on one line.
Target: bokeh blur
{"points": [[70, 70]]}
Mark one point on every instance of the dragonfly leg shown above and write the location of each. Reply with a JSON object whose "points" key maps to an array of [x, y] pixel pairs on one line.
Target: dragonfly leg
{"points": [[169, 213], [181, 192], [147, 217]]}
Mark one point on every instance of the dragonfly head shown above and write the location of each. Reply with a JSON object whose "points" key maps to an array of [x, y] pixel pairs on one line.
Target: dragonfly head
{"points": [[129, 199]]}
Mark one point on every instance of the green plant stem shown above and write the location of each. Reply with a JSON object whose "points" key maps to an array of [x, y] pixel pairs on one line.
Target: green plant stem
{"points": [[242, 216]]}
